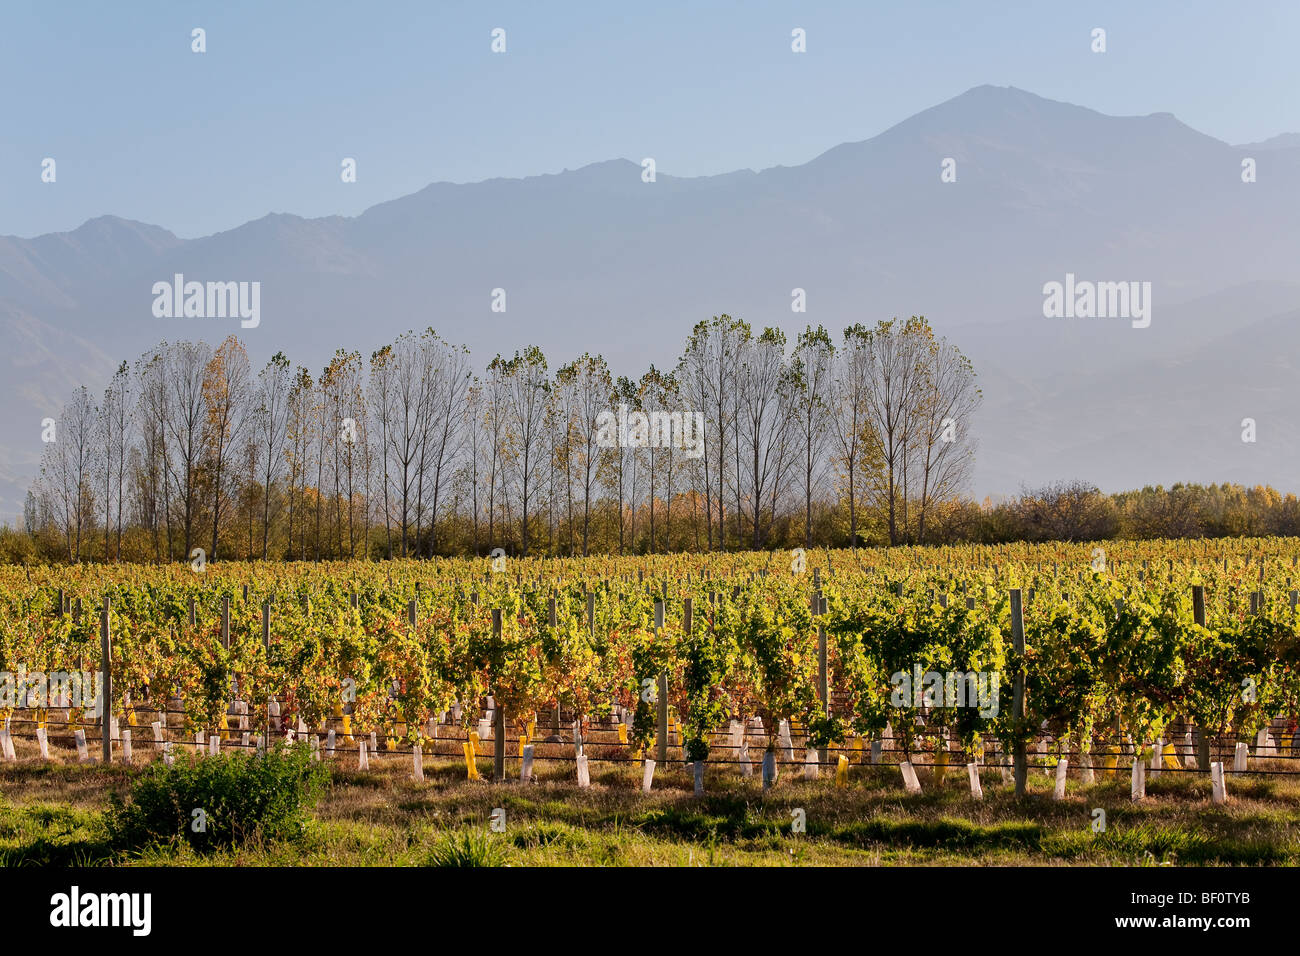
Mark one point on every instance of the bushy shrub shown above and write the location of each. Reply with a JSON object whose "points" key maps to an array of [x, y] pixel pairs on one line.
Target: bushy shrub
{"points": [[219, 801]]}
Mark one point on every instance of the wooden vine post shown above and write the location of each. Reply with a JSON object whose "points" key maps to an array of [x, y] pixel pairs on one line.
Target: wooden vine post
{"points": [[1202, 736], [106, 692], [499, 728], [266, 647], [554, 620], [1018, 693], [823, 673], [662, 747]]}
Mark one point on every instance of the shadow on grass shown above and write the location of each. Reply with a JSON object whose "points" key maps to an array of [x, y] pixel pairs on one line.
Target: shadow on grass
{"points": [[53, 836]]}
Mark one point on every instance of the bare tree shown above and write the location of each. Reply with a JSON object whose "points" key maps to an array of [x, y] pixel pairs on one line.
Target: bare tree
{"points": [[444, 422], [587, 387], [68, 472], [187, 363], [250, 487], [382, 405], [948, 400], [651, 402], [468, 473], [410, 390], [625, 473], [325, 435], [152, 411], [895, 354], [527, 397], [496, 448], [343, 424], [113, 440], [659, 399], [271, 424], [300, 430], [852, 417], [707, 374], [808, 382], [225, 393], [762, 425]]}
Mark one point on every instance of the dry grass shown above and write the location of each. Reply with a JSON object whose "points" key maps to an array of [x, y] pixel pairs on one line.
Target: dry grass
{"points": [[53, 812]]}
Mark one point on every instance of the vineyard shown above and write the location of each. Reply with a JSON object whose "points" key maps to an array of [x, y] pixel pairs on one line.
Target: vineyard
{"points": [[1158, 657]]}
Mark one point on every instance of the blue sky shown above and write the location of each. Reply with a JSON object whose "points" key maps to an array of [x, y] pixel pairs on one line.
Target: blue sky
{"points": [[143, 128]]}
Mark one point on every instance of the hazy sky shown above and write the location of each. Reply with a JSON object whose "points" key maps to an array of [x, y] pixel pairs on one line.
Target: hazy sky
{"points": [[141, 127]]}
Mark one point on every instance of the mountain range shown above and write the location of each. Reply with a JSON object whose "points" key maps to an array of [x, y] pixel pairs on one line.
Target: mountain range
{"points": [[597, 260]]}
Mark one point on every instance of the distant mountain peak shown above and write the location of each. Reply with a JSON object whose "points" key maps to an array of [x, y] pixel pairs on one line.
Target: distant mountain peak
{"points": [[108, 221], [1280, 141], [109, 226]]}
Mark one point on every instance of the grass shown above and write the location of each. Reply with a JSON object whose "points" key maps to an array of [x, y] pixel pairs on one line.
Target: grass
{"points": [[468, 848], [54, 813]]}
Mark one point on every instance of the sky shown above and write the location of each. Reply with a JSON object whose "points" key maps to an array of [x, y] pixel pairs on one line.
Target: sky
{"points": [[142, 127]]}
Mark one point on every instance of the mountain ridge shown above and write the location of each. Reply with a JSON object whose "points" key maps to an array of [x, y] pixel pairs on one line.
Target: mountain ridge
{"points": [[974, 93], [594, 259]]}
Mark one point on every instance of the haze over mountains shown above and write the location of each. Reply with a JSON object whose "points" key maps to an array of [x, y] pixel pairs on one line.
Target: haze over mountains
{"points": [[597, 260]]}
